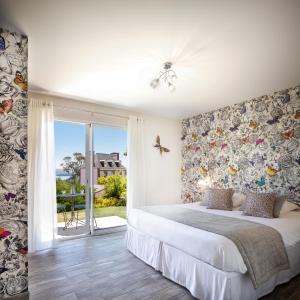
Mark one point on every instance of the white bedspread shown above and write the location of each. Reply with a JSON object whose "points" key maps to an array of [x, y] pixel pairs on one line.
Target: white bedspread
{"points": [[211, 248]]}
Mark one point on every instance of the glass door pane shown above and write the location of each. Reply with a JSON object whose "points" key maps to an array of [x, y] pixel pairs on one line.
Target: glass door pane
{"points": [[71, 182], [109, 177]]}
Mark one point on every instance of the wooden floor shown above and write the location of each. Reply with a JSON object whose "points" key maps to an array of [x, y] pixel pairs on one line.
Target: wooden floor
{"points": [[101, 268]]}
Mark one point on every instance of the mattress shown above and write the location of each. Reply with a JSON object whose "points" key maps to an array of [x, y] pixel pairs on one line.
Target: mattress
{"points": [[211, 248]]}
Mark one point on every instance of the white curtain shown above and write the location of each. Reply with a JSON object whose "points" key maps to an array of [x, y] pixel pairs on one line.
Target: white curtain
{"points": [[41, 176], [136, 163]]}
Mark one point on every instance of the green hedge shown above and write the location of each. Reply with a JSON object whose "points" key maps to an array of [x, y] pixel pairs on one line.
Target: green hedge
{"points": [[106, 202]]}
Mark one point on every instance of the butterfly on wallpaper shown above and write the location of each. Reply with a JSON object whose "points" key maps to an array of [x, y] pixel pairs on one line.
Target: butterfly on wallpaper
{"points": [[273, 121], [2, 270], [232, 171], [194, 137], [160, 147], [219, 131], [234, 128], [20, 81], [223, 146], [21, 153], [243, 109], [197, 148], [286, 135], [9, 196], [183, 137], [286, 98], [212, 144], [297, 115], [261, 181], [205, 133], [259, 141], [6, 106], [203, 171], [23, 250], [2, 43], [253, 124], [4, 233], [244, 140], [271, 171]]}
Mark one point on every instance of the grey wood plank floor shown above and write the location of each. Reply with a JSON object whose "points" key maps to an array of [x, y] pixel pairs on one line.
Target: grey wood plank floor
{"points": [[101, 268]]}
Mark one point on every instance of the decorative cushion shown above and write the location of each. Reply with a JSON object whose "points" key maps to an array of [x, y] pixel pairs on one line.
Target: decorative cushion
{"points": [[238, 199], [260, 205], [220, 199], [204, 200], [287, 207], [278, 205]]}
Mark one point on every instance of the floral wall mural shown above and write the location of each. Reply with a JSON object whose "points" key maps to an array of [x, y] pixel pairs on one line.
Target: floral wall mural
{"points": [[254, 145], [13, 164]]}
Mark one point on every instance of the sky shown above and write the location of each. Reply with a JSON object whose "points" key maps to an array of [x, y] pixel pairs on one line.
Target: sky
{"points": [[70, 138]]}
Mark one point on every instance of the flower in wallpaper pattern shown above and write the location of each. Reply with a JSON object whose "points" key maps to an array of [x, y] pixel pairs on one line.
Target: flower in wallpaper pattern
{"points": [[13, 164], [254, 145]]}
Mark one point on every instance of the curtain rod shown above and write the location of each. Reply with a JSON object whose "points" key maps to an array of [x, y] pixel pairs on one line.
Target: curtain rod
{"points": [[91, 112]]}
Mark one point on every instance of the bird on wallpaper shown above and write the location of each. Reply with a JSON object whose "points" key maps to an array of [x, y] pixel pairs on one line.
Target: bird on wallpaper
{"points": [[271, 171], [20, 81], [160, 147], [261, 181], [4, 233], [6, 106], [253, 124], [287, 134], [232, 171], [297, 115]]}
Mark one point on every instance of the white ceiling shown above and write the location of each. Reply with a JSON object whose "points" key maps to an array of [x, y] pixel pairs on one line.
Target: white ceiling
{"points": [[224, 52]]}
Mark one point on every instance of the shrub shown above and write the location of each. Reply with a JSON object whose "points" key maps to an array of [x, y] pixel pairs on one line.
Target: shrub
{"points": [[106, 202], [115, 186]]}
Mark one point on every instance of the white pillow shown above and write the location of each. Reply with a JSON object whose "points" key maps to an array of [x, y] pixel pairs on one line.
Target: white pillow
{"points": [[238, 199], [287, 207]]}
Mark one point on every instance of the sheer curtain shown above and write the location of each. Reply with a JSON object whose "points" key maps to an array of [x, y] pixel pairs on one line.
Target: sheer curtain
{"points": [[41, 176], [136, 163]]}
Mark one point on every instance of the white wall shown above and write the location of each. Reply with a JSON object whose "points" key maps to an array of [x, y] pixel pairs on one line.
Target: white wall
{"points": [[163, 182], [163, 171]]}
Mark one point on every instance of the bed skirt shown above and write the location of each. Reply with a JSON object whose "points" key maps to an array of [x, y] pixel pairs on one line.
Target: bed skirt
{"points": [[204, 281]]}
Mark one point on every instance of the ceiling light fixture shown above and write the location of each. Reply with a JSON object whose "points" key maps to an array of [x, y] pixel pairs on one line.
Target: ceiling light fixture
{"points": [[168, 76]]}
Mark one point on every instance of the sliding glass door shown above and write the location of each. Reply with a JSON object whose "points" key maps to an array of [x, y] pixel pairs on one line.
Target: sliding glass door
{"points": [[90, 178], [72, 189], [108, 177]]}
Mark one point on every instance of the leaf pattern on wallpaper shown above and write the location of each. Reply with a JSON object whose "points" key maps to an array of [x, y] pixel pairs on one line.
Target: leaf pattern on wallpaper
{"points": [[254, 145], [13, 164]]}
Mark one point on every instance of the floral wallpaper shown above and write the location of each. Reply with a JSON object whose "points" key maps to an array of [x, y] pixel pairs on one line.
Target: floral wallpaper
{"points": [[254, 145], [13, 164]]}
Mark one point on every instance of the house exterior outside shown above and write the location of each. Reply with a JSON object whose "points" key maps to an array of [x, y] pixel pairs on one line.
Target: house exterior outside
{"points": [[104, 165]]}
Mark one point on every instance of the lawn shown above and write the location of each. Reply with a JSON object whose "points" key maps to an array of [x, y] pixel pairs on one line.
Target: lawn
{"points": [[99, 212]]}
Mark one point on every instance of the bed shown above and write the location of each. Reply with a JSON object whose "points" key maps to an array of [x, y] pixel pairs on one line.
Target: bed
{"points": [[209, 265]]}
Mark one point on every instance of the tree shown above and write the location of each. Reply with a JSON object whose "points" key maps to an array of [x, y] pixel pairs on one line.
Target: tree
{"points": [[73, 165], [115, 186]]}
